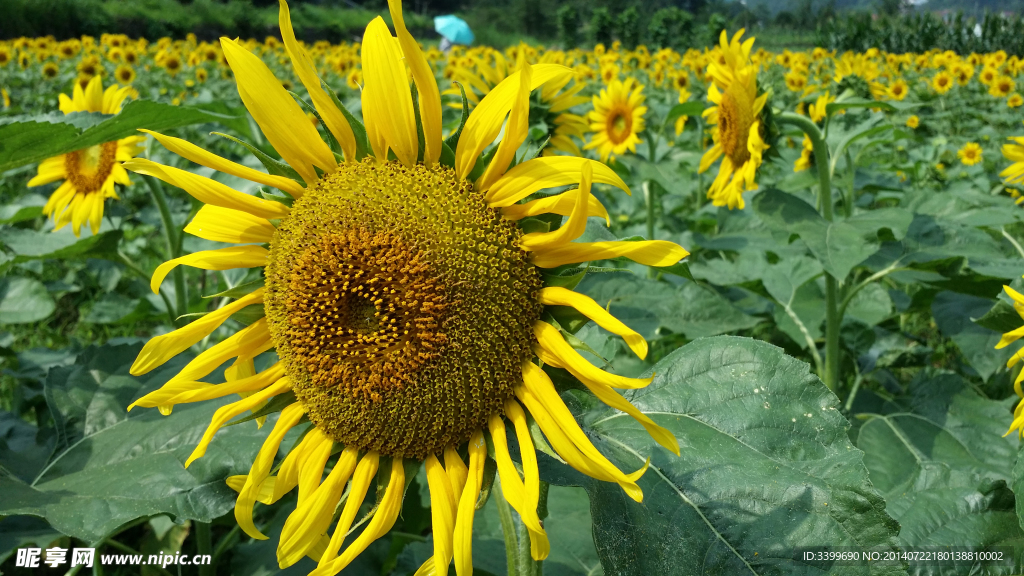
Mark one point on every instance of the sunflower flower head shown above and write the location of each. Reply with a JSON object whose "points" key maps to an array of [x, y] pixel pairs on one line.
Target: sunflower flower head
{"points": [[89, 175], [617, 118], [737, 126], [404, 302], [1009, 338], [970, 154]]}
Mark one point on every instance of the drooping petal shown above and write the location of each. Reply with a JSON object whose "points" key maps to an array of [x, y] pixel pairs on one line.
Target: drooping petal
{"points": [[304, 69], [485, 122], [219, 224], [382, 521], [249, 341], [552, 342], [225, 413], [365, 472], [647, 252], [309, 522], [251, 490], [456, 469], [514, 490], [573, 228], [190, 151], [463, 541], [443, 506], [222, 259], [208, 191], [540, 173], [426, 86], [561, 204], [282, 120], [387, 99], [558, 296], [186, 391], [516, 130]]}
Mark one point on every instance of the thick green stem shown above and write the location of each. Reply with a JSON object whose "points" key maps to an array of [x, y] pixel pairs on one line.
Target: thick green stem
{"points": [[171, 237], [204, 542], [508, 530], [832, 318], [649, 199]]}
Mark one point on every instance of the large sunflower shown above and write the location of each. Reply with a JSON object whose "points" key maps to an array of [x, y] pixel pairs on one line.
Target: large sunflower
{"points": [[736, 121], [90, 174], [617, 118], [402, 299]]}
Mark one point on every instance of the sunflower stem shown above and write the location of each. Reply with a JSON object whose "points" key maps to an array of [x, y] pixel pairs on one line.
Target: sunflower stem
{"points": [[204, 542], [508, 530], [832, 317], [173, 246], [649, 199]]}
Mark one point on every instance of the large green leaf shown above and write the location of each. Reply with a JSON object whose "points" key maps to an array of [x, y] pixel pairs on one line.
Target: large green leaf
{"points": [[646, 305], [766, 467], [953, 314], [31, 141], [24, 300], [838, 245], [111, 466], [37, 245], [939, 457]]}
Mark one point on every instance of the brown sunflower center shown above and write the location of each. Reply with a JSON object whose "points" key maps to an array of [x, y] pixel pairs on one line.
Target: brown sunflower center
{"points": [[735, 117], [619, 125], [90, 167], [401, 306]]}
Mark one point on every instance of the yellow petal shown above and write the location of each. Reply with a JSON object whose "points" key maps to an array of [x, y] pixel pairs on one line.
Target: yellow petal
{"points": [[382, 521], [221, 259], [186, 391], [288, 475], [311, 469], [225, 413], [516, 130], [557, 296], [573, 228], [309, 522], [281, 119], [219, 224], [162, 348], [514, 490], [442, 514], [540, 547], [190, 151], [456, 469], [387, 99], [249, 341], [561, 204], [646, 252], [426, 86], [552, 342], [252, 489], [463, 540], [485, 122], [365, 472], [208, 191], [304, 69], [540, 173]]}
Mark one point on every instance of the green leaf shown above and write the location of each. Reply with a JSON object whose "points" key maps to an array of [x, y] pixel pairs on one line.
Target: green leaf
{"points": [[27, 142], [939, 457], [646, 305], [693, 108], [953, 312], [27, 207], [766, 466], [37, 245], [239, 291], [24, 300], [1002, 318], [453, 140], [112, 466], [871, 305], [113, 308]]}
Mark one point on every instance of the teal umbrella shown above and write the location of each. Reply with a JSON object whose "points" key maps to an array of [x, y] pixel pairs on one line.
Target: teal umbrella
{"points": [[454, 29]]}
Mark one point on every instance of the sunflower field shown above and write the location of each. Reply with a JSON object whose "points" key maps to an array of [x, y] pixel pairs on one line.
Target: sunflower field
{"points": [[377, 308]]}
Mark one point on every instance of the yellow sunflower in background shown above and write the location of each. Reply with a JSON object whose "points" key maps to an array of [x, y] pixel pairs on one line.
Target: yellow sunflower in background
{"points": [[913, 121], [806, 156], [970, 154], [1014, 100], [942, 82], [402, 299], [617, 118], [90, 174], [736, 122]]}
